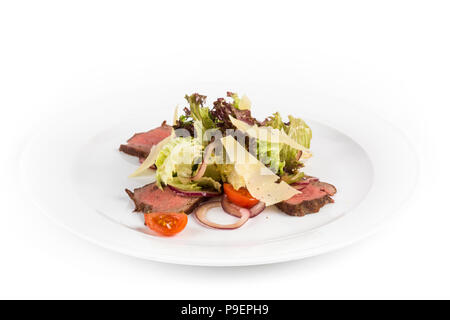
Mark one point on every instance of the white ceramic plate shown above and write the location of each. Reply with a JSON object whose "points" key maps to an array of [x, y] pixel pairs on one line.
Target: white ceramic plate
{"points": [[74, 172]]}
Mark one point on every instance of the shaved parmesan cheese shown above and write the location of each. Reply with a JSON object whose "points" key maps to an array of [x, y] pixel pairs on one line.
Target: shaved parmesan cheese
{"points": [[260, 181], [240, 125], [235, 179], [175, 116], [142, 170], [245, 103], [269, 134]]}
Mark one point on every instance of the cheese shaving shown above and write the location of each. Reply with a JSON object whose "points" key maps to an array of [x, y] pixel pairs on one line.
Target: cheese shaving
{"points": [[245, 103], [175, 116], [142, 170], [260, 181]]}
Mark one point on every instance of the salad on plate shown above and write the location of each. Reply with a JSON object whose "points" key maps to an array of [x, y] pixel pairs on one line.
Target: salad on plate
{"points": [[221, 156]]}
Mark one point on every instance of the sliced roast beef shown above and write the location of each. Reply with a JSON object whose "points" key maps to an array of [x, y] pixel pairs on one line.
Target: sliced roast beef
{"points": [[314, 195], [140, 144], [328, 188], [150, 198]]}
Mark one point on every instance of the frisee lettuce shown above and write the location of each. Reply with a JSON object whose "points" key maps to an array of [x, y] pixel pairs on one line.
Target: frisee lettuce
{"points": [[297, 130], [198, 112], [177, 159], [270, 154]]}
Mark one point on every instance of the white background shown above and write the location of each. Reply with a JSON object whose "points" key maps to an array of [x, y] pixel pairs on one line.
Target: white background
{"points": [[389, 56]]}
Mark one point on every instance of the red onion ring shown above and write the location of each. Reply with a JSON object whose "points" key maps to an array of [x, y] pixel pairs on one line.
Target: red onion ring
{"points": [[257, 209], [299, 154], [186, 193], [202, 210], [201, 171], [234, 209]]}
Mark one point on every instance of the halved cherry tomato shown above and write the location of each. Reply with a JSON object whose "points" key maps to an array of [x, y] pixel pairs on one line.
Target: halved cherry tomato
{"points": [[241, 197], [167, 224]]}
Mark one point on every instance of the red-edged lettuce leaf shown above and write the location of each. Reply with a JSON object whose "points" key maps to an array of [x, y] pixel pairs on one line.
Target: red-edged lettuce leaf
{"points": [[223, 109]]}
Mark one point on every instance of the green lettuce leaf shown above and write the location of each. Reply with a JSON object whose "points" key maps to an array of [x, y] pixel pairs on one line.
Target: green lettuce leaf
{"points": [[213, 170], [178, 161], [292, 178], [296, 128], [242, 103], [299, 131], [275, 121], [235, 97], [205, 183], [270, 155], [199, 112], [177, 158]]}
